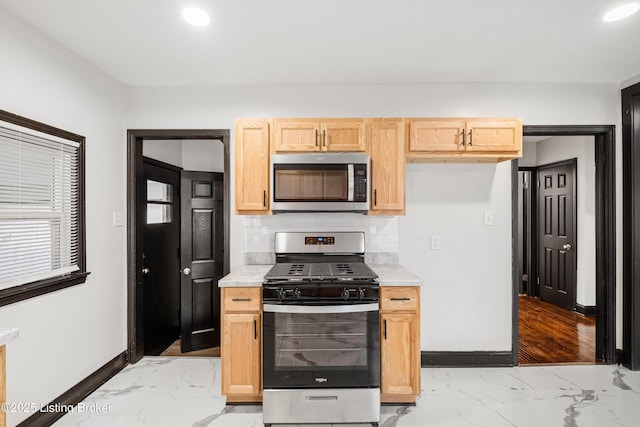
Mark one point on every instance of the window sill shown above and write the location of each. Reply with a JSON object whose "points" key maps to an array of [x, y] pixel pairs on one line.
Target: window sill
{"points": [[41, 287]]}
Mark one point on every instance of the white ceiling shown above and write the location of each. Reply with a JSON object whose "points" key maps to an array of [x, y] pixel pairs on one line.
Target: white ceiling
{"points": [[146, 42]]}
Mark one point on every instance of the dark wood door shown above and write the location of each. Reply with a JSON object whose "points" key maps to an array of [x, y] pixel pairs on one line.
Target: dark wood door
{"points": [[202, 254], [161, 257], [557, 233]]}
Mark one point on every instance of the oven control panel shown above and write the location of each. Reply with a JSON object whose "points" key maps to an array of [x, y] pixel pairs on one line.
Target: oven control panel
{"points": [[319, 240], [318, 293]]}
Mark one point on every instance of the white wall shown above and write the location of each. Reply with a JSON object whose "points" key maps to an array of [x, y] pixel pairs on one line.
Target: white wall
{"points": [[203, 155], [190, 154], [164, 150], [67, 335], [582, 148], [630, 81], [528, 155], [453, 293]]}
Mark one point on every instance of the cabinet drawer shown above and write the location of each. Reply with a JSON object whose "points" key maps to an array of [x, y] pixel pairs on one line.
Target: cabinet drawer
{"points": [[403, 298], [241, 299]]}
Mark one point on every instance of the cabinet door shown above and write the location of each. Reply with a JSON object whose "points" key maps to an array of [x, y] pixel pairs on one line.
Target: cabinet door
{"points": [[252, 166], [241, 372], [387, 166], [494, 135], [399, 356], [296, 135], [436, 135], [343, 135]]}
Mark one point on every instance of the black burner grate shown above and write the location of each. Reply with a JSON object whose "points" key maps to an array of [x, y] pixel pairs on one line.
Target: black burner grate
{"points": [[296, 269], [320, 271]]}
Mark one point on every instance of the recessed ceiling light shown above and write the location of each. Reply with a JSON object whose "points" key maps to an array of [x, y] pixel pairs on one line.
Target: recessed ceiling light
{"points": [[621, 12], [195, 16]]}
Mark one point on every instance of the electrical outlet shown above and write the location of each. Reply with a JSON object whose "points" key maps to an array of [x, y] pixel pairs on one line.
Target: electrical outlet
{"points": [[118, 219], [435, 242], [488, 217]]}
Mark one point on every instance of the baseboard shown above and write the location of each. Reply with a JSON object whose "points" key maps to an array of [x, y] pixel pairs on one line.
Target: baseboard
{"points": [[466, 358], [77, 393], [586, 310]]}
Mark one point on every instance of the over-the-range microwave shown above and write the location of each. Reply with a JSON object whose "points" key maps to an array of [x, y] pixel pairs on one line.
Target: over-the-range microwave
{"points": [[323, 182]]}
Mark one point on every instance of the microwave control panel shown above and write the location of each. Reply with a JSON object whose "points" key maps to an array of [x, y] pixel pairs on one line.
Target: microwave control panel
{"points": [[360, 182]]}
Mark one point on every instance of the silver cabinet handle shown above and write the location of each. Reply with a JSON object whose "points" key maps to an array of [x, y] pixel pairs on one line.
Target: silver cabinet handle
{"points": [[567, 247], [186, 271], [145, 270]]}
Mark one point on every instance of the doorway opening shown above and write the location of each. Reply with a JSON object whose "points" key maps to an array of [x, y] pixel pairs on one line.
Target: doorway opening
{"points": [[564, 246], [178, 240]]}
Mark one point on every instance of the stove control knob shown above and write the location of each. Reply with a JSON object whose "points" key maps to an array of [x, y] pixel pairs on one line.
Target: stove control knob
{"points": [[282, 294], [345, 294], [297, 293], [360, 293]]}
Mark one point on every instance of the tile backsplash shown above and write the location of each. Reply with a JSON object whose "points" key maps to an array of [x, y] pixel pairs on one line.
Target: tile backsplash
{"points": [[381, 233]]}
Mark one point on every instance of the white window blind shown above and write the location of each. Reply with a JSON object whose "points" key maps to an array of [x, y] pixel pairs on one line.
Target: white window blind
{"points": [[39, 206]]}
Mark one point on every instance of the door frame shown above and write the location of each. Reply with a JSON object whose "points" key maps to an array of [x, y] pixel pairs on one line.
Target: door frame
{"points": [[630, 356], [529, 230], [605, 189], [135, 183]]}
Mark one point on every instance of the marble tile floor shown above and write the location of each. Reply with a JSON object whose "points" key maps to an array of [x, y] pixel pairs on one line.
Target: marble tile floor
{"points": [[181, 391]]}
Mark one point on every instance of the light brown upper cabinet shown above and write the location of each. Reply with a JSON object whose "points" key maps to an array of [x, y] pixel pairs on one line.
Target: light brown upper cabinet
{"points": [[252, 166], [465, 139], [296, 135], [387, 167]]}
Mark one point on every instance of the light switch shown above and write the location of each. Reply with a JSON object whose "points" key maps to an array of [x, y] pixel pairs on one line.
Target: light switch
{"points": [[118, 219], [435, 242], [488, 217]]}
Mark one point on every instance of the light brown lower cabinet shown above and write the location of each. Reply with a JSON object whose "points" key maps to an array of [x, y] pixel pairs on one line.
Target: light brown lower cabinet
{"points": [[399, 344], [241, 352], [241, 344]]}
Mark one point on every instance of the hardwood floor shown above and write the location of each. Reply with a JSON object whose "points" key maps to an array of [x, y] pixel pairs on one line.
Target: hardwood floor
{"points": [[174, 350], [550, 334]]}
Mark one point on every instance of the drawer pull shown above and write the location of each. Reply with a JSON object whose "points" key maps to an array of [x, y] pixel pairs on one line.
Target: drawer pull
{"points": [[241, 299], [400, 299]]}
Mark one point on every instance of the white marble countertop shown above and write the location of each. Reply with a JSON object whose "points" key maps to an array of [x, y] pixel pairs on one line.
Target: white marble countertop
{"points": [[8, 334], [245, 276], [395, 275], [251, 276]]}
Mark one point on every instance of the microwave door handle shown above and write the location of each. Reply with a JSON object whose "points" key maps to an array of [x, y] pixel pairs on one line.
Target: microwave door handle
{"points": [[350, 190]]}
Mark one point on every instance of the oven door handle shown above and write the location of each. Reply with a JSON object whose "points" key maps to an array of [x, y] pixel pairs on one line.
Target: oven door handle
{"points": [[320, 309]]}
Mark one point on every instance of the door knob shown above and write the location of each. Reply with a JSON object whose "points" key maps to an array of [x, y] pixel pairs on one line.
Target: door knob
{"points": [[145, 270], [186, 271], [566, 246]]}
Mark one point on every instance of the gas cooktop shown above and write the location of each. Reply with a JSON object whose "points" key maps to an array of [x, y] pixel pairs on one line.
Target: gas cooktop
{"points": [[334, 271]]}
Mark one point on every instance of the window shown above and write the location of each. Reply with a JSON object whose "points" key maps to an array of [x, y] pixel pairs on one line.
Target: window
{"points": [[159, 202], [41, 209]]}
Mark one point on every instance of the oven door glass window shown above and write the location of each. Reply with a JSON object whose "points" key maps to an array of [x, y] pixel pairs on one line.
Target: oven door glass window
{"points": [[321, 340], [311, 183], [321, 349]]}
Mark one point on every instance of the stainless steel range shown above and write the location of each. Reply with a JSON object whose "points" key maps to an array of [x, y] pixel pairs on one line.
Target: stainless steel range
{"points": [[321, 337]]}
